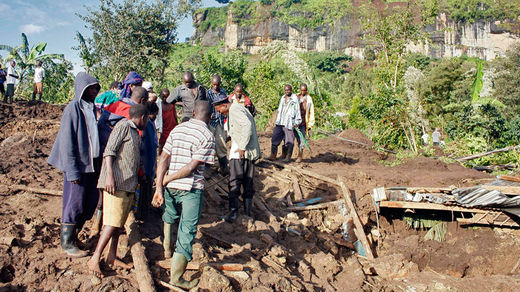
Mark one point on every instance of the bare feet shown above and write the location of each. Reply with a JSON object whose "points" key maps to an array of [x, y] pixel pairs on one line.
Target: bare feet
{"points": [[93, 267], [115, 262]]}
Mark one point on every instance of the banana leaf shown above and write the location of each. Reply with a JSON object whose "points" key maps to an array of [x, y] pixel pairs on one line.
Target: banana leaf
{"points": [[302, 138]]}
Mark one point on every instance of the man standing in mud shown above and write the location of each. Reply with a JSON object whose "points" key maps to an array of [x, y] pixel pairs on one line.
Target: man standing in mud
{"points": [[245, 149], [189, 146], [188, 93], [118, 179], [287, 119], [76, 152]]}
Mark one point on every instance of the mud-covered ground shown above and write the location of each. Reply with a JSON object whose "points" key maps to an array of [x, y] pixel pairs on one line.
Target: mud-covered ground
{"points": [[306, 252]]}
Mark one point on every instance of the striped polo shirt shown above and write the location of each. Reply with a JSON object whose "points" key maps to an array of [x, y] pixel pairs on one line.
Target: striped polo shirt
{"points": [[190, 140]]}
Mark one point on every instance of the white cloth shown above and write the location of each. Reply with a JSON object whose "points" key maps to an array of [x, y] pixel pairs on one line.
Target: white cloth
{"points": [[90, 117], [233, 153], [425, 138], [148, 85], [436, 136], [39, 74], [10, 79], [158, 119]]}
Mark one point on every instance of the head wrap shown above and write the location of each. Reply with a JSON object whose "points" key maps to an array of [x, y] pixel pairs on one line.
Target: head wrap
{"points": [[131, 78]]}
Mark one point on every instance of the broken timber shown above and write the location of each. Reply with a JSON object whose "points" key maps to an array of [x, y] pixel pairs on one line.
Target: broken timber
{"points": [[165, 264], [298, 196], [316, 207], [142, 272], [359, 230], [428, 206]]}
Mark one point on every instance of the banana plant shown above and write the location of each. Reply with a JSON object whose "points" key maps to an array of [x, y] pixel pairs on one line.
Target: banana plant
{"points": [[26, 57]]}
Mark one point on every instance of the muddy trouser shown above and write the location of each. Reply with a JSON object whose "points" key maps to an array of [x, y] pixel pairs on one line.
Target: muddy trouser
{"points": [[241, 172], [302, 129], [220, 140], [80, 200], [10, 92], [145, 200], [282, 133], [190, 202]]}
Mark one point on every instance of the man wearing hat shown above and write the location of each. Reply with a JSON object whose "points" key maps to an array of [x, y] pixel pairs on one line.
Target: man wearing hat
{"points": [[245, 149]]}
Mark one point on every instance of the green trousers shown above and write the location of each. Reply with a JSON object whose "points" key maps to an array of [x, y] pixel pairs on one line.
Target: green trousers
{"points": [[191, 203]]}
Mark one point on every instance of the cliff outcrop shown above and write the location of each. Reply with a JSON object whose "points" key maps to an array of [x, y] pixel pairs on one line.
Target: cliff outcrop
{"points": [[448, 38]]}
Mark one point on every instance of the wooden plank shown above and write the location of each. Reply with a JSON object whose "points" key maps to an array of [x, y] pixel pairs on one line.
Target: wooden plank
{"points": [[298, 196], [359, 230], [514, 178], [469, 221], [317, 206], [428, 206], [503, 189]]}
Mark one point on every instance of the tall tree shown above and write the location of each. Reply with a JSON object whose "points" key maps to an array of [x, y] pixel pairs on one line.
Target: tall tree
{"points": [[134, 35], [26, 56]]}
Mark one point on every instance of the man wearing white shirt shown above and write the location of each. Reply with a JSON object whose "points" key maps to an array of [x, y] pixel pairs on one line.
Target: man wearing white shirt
{"points": [[11, 80], [39, 75], [436, 137]]}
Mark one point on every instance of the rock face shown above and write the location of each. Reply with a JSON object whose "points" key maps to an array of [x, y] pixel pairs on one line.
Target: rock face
{"points": [[482, 39]]}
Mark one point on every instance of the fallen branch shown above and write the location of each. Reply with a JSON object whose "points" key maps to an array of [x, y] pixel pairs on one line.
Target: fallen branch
{"points": [[141, 271], [483, 154], [35, 190], [359, 230], [316, 207]]}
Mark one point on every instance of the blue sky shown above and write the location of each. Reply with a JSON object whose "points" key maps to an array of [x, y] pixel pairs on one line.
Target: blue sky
{"points": [[55, 22]]}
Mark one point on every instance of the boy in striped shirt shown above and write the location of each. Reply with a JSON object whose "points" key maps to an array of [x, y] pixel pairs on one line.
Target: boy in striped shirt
{"points": [[189, 146]]}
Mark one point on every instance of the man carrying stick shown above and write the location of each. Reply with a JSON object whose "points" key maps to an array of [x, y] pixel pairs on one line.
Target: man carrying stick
{"points": [[189, 146], [119, 180]]}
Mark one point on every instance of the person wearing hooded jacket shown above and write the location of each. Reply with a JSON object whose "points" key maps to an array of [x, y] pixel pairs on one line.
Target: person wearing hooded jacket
{"points": [[76, 153]]}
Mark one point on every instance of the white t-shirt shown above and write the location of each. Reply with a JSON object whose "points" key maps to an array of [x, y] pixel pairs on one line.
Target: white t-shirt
{"points": [[39, 74], [425, 138], [436, 137], [10, 79]]}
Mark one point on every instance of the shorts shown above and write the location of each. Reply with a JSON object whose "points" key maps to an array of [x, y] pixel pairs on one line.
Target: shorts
{"points": [[37, 88], [116, 208]]}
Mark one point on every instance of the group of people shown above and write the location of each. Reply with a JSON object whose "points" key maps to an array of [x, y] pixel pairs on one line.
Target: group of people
{"points": [[10, 78], [107, 150]]}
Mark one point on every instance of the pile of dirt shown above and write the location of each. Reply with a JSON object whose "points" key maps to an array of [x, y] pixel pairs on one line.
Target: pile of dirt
{"points": [[280, 250]]}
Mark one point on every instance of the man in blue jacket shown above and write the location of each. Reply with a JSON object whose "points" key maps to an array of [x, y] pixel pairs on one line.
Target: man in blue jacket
{"points": [[76, 152]]}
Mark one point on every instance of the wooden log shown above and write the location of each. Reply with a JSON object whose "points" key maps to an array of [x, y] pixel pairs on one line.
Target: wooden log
{"points": [[514, 178], [170, 286], [261, 206], [35, 190], [316, 207], [166, 264], [359, 230], [298, 196], [428, 206], [503, 189], [483, 154], [141, 270]]}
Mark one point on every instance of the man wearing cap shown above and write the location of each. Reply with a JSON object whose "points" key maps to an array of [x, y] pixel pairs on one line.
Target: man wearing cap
{"points": [[216, 125], [245, 149], [187, 93]]}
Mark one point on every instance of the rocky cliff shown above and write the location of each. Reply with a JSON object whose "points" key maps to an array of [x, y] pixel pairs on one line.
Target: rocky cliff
{"points": [[482, 39]]}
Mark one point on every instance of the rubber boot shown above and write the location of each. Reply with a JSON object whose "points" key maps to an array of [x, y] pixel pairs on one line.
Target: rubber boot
{"points": [[287, 158], [300, 156], [274, 150], [248, 203], [96, 224], [233, 210], [68, 244], [34, 96], [167, 240], [224, 168], [39, 96], [284, 153], [178, 267]]}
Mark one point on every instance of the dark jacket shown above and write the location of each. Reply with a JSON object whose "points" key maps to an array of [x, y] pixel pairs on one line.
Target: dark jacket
{"points": [[71, 152]]}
